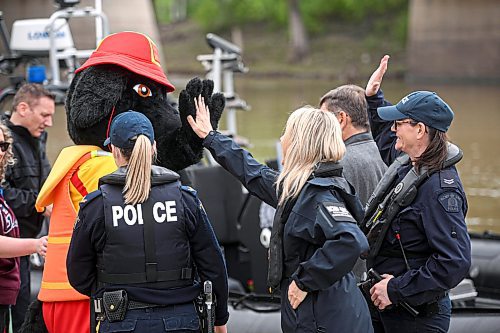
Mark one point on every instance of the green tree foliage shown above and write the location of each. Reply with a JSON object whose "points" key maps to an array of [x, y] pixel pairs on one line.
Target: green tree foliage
{"points": [[222, 14], [216, 15]]}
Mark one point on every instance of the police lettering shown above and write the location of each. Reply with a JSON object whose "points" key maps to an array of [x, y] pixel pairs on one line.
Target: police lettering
{"points": [[162, 211]]}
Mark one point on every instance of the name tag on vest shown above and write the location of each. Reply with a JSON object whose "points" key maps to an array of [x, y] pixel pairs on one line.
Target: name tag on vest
{"points": [[130, 214]]}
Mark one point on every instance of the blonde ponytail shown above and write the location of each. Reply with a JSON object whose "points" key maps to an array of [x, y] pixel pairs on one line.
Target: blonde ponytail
{"points": [[138, 179]]}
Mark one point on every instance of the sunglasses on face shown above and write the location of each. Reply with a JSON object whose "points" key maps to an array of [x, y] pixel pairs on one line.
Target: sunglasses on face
{"points": [[4, 146], [401, 122]]}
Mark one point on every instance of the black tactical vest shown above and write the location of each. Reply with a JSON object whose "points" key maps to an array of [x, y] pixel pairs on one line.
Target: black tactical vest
{"points": [[146, 244]]}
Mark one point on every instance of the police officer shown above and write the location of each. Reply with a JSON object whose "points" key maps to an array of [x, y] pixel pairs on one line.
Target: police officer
{"points": [[425, 249], [314, 228], [137, 240]]}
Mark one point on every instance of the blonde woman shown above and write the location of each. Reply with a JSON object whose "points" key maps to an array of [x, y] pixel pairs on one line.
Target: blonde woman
{"points": [[315, 240], [138, 238], [11, 246]]}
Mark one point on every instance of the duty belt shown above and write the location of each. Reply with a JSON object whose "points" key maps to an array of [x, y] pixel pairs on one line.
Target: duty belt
{"points": [[114, 305]]}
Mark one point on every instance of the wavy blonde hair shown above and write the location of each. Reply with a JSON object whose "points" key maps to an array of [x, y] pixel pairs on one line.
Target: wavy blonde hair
{"points": [[314, 136], [138, 178], [8, 158]]}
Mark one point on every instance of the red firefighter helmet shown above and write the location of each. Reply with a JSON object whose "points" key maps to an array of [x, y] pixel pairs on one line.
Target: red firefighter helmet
{"points": [[133, 51]]}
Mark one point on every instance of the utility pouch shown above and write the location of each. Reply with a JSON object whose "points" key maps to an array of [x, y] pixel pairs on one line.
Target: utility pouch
{"points": [[115, 305]]}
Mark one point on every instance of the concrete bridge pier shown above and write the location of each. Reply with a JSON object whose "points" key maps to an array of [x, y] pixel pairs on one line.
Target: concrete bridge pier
{"points": [[454, 41]]}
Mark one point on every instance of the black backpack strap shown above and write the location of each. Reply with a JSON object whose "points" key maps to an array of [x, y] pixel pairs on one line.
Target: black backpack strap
{"points": [[384, 185]]}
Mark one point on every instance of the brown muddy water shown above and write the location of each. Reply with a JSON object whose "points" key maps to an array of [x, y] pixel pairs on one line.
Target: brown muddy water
{"points": [[475, 129]]}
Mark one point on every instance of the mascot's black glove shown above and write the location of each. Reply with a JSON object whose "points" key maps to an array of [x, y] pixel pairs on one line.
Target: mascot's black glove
{"points": [[215, 103]]}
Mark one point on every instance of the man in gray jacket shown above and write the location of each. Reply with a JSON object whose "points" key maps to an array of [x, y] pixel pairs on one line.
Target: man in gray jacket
{"points": [[362, 165]]}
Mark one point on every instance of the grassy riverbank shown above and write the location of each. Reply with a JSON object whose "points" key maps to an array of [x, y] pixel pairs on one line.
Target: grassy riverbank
{"points": [[342, 52]]}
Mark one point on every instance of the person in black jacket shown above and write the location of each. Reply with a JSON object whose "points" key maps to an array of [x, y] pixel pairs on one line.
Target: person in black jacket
{"points": [[146, 237], [32, 110], [315, 240]]}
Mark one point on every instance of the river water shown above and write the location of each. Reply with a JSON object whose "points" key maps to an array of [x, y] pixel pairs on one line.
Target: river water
{"points": [[474, 129]]}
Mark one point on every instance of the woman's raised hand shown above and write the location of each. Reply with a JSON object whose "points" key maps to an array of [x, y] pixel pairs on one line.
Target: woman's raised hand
{"points": [[201, 126], [375, 80]]}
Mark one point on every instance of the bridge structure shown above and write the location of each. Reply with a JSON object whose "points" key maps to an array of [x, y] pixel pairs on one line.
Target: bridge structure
{"points": [[454, 41]]}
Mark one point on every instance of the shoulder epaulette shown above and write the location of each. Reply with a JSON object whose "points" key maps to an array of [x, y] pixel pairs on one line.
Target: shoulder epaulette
{"points": [[89, 197], [189, 190], [448, 178]]}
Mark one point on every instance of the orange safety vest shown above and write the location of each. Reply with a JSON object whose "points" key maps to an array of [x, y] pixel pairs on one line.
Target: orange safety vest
{"points": [[75, 173]]}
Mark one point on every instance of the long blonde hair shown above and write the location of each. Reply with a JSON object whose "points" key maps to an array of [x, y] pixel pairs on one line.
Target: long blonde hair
{"points": [[314, 136], [138, 178], [8, 158]]}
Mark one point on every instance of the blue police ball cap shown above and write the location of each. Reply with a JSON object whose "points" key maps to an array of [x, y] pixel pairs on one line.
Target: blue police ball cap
{"points": [[423, 106], [126, 127]]}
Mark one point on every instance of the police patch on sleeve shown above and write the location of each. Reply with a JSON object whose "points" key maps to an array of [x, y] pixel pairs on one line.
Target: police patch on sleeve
{"points": [[338, 212], [451, 201]]}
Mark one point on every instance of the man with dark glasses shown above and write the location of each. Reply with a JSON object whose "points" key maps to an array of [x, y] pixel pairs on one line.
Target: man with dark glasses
{"points": [[32, 110]]}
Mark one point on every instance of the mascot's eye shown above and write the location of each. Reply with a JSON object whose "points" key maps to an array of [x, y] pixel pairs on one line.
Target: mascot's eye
{"points": [[143, 90]]}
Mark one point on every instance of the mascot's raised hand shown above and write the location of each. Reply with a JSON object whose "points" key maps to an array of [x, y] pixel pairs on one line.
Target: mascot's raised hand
{"points": [[215, 103]]}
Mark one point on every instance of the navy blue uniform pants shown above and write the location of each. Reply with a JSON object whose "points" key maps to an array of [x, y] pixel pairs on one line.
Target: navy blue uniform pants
{"points": [[399, 320], [180, 318]]}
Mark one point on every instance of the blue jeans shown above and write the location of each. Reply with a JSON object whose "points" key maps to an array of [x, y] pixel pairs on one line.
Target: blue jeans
{"points": [[180, 318], [398, 320]]}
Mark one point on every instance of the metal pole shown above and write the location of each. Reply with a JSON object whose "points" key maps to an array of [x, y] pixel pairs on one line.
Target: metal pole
{"points": [[98, 23], [229, 92], [216, 69], [68, 13], [54, 62]]}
